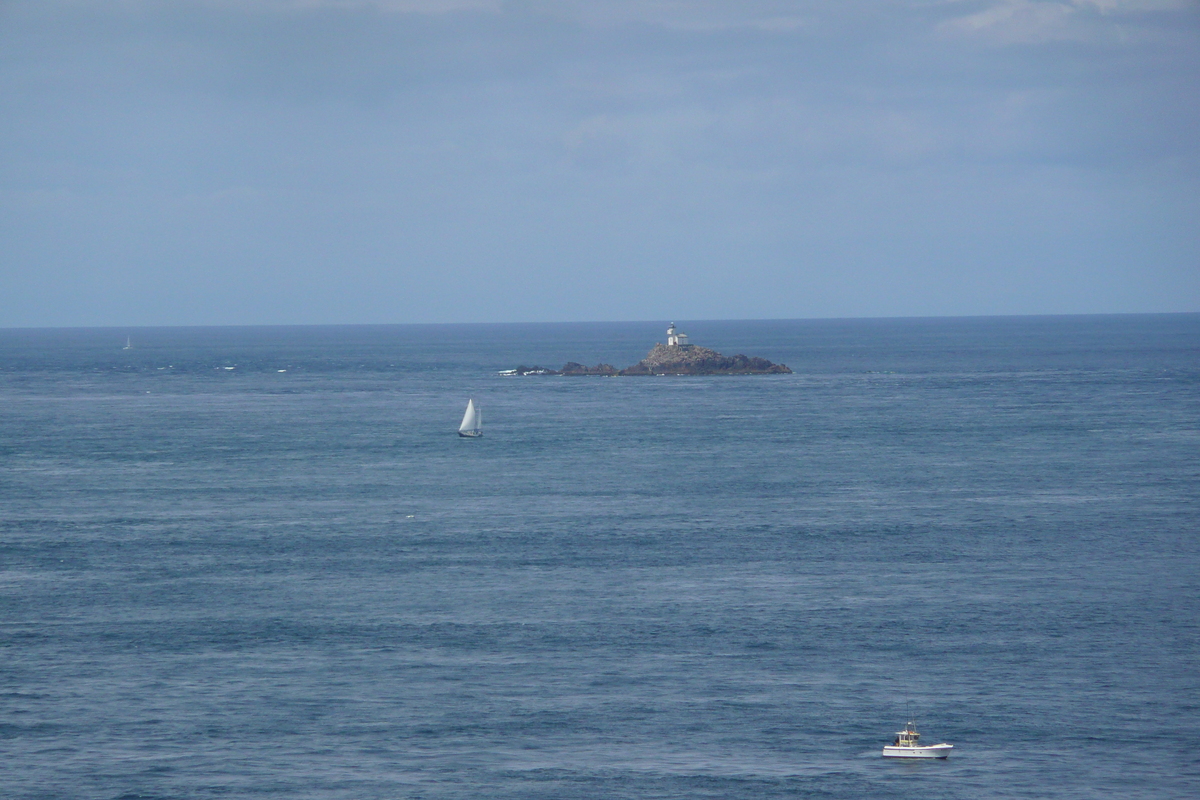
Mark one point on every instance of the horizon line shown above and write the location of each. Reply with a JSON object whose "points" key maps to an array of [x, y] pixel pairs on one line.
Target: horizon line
{"points": [[601, 322]]}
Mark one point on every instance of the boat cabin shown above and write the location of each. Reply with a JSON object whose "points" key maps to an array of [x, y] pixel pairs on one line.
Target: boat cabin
{"points": [[907, 737]]}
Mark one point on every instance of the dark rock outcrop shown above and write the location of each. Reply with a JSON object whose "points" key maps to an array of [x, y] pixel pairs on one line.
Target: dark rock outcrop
{"points": [[682, 359], [690, 359], [572, 368]]}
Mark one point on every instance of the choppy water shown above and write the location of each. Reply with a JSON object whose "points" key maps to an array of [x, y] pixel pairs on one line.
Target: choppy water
{"points": [[253, 583]]}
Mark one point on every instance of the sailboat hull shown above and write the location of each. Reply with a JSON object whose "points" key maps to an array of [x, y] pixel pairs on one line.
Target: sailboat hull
{"points": [[470, 434]]}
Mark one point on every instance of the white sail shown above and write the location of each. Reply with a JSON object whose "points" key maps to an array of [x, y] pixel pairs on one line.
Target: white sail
{"points": [[471, 419]]}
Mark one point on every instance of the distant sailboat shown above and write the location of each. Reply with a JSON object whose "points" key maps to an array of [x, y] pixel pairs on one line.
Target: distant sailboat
{"points": [[472, 424], [128, 344]]}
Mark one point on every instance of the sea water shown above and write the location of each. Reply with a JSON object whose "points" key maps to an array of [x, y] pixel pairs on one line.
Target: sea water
{"points": [[259, 562]]}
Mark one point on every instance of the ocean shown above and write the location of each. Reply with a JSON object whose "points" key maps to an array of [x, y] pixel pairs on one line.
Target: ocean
{"points": [[260, 563]]}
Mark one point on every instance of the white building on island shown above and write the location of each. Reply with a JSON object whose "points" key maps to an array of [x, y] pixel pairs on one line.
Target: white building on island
{"points": [[676, 338]]}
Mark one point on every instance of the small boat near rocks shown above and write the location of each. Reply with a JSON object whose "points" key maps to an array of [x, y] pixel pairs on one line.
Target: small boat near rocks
{"points": [[907, 745]]}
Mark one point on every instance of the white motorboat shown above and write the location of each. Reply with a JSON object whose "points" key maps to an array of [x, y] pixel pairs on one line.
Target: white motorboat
{"points": [[472, 424], [907, 745]]}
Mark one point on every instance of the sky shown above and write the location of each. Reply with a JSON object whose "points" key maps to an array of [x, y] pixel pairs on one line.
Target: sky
{"points": [[241, 162]]}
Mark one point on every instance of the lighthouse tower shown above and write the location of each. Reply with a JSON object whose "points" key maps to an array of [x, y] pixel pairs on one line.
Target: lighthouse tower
{"points": [[676, 339]]}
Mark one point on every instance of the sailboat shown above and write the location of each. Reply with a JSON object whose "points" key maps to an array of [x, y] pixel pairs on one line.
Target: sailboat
{"points": [[128, 344], [472, 424]]}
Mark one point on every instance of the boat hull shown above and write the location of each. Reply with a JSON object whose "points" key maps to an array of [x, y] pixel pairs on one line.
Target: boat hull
{"points": [[470, 434], [923, 751]]}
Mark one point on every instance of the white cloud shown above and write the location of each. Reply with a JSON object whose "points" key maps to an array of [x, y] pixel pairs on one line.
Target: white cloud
{"points": [[1037, 21], [694, 15], [1015, 21], [1133, 6], [403, 6], [608, 140], [387, 6]]}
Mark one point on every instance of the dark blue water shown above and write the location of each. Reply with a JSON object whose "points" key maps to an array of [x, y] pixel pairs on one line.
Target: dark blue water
{"points": [[302, 584]]}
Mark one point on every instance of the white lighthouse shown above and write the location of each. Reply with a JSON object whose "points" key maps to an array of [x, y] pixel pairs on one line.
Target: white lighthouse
{"points": [[676, 338]]}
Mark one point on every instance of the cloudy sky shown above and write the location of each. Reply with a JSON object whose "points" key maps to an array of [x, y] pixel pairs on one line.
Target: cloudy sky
{"points": [[376, 161]]}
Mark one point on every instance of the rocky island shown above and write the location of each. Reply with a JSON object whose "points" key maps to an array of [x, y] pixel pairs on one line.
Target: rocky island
{"points": [[676, 357]]}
